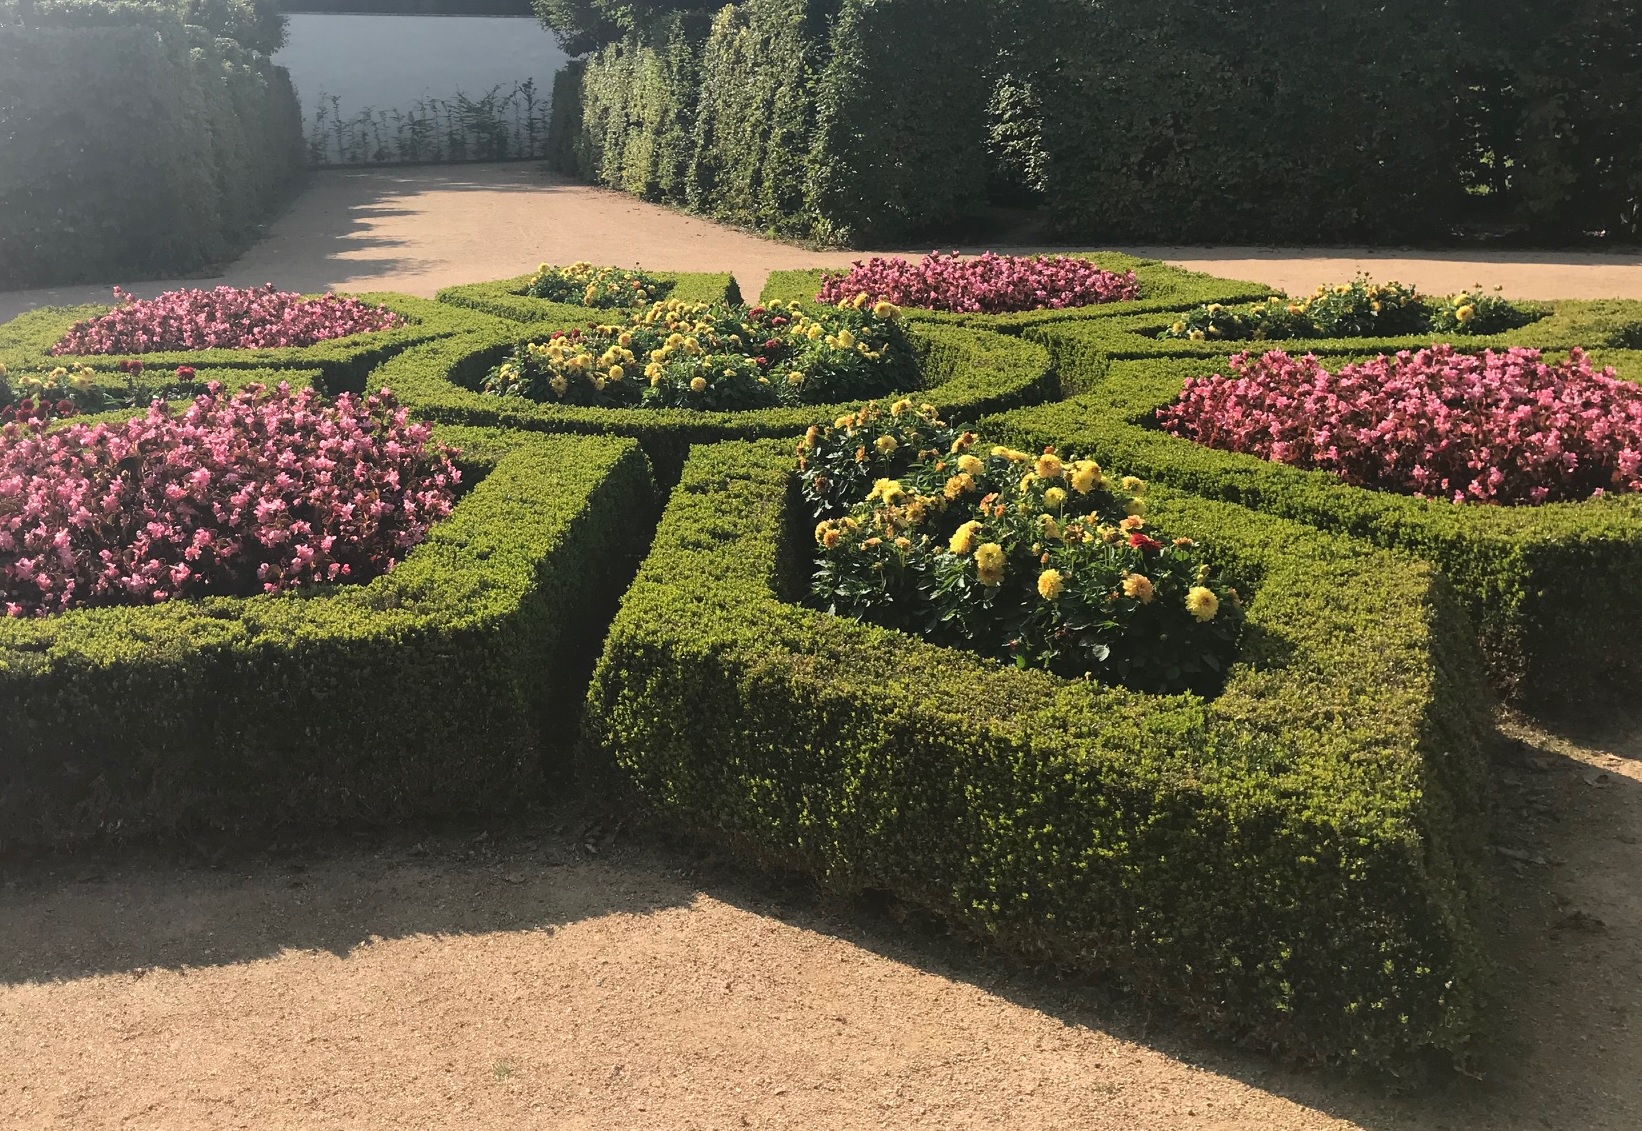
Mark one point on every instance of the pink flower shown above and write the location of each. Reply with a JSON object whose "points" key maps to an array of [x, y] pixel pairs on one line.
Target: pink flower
{"points": [[987, 284], [224, 318]]}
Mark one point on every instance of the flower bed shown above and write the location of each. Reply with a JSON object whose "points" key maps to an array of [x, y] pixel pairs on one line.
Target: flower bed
{"points": [[1033, 560], [715, 358], [1161, 288], [963, 372], [987, 284], [234, 318], [1291, 863], [515, 299], [258, 491], [1359, 309], [602, 288], [28, 341], [440, 688], [1555, 589], [1472, 428]]}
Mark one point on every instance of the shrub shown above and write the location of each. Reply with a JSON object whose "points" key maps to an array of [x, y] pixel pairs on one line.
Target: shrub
{"points": [[603, 288], [1293, 863], [715, 359], [1553, 589], [1476, 312], [259, 491], [1360, 309], [989, 284], [1489, 428], [962, 371], [1035, 561], [442, 688], [235, 318], [511, 299]]}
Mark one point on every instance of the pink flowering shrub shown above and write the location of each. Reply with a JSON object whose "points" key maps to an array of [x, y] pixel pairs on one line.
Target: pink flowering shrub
{"points": [[256, 492], [225, 318], [989, 284], [1491, 428]]}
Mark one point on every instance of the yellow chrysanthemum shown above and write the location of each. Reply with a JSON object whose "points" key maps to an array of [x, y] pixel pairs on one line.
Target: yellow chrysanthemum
{"points": [[1466, 313], [1133, 485], [1055, 497], [989, 559], [970, 465], [900, 406], [1202, 603], [885, 310], [958, 485], [1050, 584], [1048, 466], [1085, 476], [1139, 587], [963, 538], [886, 445], [698, 384], [889, 490]]}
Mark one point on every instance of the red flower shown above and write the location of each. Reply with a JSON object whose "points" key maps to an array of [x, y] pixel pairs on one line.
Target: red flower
{"points": [[1140, 542]]}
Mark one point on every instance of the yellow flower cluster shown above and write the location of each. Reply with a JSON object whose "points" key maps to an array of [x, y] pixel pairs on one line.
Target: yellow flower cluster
{"points": [[55, 382]]}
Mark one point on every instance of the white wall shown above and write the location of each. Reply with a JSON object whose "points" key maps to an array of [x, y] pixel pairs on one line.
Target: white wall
{"points": [[388, 62]]}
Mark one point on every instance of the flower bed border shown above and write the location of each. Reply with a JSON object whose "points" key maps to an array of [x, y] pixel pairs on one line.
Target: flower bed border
{"points": [[1555, 591], [980, 372], [429, 691], [344, 362], [1161, 288], [502, 298], [1293, 864]]}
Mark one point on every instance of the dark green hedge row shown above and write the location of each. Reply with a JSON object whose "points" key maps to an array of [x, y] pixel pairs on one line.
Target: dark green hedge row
{"points": [[134, 146], [1161, 288], [1293, 863], [505, 298], [848, 121], [430, 691], [967, 373], [345, 362], [1555, 590]]}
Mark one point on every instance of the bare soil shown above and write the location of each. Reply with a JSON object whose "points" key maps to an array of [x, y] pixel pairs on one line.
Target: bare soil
{"points": [[567, 976]]}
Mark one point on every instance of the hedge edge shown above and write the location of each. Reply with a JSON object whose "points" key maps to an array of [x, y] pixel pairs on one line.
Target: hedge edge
{"points": [[430, 691], [1294, 864], [974, 372], [1555, 590], [504, 298]]}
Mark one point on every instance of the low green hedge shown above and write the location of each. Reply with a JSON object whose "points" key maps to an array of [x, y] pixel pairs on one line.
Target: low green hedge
{"points": [[1591, 324], [1161, 288], [505, 298], [345, 362], [1555, 590], [1292, 863], [968, 373], [429, 691]]}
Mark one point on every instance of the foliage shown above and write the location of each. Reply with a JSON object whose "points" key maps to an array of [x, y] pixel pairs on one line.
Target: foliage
{"points": [[255, 492], [222, 318], [1478, 312], [1490, 428], [716, 359], [441, 689], [1293, 863], [499, 125], [603, 288], [1037, 561], [987, 284], [59, 392], [511, 298], [1358, 309]]}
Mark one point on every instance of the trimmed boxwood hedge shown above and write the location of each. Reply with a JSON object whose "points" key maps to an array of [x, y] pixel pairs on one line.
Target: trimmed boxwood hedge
{"points": [[1294, 863], [969, 373], [429, 691], [1592, 324], [345, 362], [1555, 590], [505, 298], [1161, 288]]}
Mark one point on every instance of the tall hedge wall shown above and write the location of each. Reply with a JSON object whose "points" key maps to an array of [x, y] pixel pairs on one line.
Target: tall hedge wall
{"points": [[133, 145]]}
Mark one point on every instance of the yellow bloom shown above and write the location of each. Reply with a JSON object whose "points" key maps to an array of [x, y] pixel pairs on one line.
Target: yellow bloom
{"points": [[698, 384], [1048, 466], [616, 373], [1026, 482], [1202, 603], [886, 445], [843, 422], [900, 406], [1050, 583], [1196, 335], [958, 485], [1466, 313], [1139, 587], [885, 310], [1055, 497], [1135, 507], [889, 490], [821, 530], [989, 559], [970, 465], [558, 384], [1085, 475], [861, 300], [1131, 524], [1178, 328], [1133, 486], [963, 538]]}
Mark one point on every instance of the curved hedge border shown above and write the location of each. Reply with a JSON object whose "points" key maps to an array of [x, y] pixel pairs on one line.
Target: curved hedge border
{"points": [[1293, 863], [345, 362], [971, 372], [1555, 590], [1161, 288], [1593, 324], [426, 692], [504, 298]]}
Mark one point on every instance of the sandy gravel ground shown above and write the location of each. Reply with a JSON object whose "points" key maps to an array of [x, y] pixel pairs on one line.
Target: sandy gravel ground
{"points": [[416, 230], [563, 977]]}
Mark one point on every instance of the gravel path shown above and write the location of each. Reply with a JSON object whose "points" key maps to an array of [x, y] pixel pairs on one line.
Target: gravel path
{"points": [[419, 229]]}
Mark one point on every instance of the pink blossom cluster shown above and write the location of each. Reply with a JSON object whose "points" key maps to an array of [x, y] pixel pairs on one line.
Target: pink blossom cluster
{"points": [[259, 491], [233, 318], [987, 284], [1503, 428]]}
